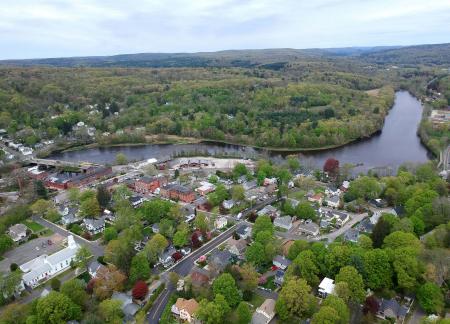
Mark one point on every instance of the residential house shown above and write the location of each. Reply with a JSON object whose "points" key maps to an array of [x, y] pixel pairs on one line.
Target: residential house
{"points": [[109, 216], [281, 262], [279, 277], [351, 235], [136, 201], [270, 211], [237, 247], [378, 203], [147, 185], [264, 313], [333, 201], [244, 231], [269, 181], [178, 192], [248, 185], [18, 232], [392, 309], [155, 228], [166, 258], [284, 222], [219, 260], [316, 198], [69, 219], [185, 309], [339, 217], [45, 267], [326, 287], [345, 185], [129, 308], [205, 188], [94, 267], [202, 204], [309, 228], [220, 222], [199, 277], [94, 225], [365, 226], [228, 204]]}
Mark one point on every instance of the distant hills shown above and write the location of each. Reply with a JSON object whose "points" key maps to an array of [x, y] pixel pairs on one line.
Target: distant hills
{"points": [[270, 58]]}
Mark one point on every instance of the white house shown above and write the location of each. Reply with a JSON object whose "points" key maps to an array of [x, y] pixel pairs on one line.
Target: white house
{"points": [[45, 267], [333, 201], [94, 225], [326, 287], [309, 228], [220, 222], [17, 232], [228, 204], [281, 262]]}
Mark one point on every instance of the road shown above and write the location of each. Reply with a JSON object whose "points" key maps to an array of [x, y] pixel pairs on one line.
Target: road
{"points": [[183, 268], [95, 248]]}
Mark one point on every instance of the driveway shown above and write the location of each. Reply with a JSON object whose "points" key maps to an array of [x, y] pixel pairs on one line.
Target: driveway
{"points": [[30, 250]]}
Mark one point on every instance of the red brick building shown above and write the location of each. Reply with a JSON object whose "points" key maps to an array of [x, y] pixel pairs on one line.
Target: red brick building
{"points": [[89, 176], [178, 192], [149, 184]]}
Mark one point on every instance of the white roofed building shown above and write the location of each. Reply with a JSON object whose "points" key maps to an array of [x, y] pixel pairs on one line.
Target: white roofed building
{"points": [[45, 266], [326, 287]]}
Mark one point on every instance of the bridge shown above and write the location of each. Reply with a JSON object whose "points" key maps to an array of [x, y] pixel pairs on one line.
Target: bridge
{"points": [[58, 163]]}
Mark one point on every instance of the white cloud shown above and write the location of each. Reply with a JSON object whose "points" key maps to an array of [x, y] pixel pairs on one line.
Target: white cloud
{"points": [[49, 28]]}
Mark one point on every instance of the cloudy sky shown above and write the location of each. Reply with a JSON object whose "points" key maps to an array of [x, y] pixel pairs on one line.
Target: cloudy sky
{"points": [[57, 28]]}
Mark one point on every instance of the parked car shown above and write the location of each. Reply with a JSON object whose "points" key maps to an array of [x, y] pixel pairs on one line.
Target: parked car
{"points": [[185, 251]]}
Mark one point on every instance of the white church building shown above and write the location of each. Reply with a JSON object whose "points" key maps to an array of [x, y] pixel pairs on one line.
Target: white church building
{"points": [[44, 267]]}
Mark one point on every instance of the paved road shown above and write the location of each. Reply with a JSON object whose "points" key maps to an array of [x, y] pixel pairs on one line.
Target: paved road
{"points": [[95, 248], [183, 268]]}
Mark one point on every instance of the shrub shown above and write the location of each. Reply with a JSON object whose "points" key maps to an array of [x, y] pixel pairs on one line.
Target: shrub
{"points": [[55, 284], [140, 290]]}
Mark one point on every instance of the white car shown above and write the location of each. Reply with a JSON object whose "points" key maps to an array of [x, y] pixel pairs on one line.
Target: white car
{"points": [[239, 216], [185, 251]]}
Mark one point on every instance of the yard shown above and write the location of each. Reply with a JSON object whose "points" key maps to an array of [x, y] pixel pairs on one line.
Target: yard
{"points": [[33, 226], [270, 284]]}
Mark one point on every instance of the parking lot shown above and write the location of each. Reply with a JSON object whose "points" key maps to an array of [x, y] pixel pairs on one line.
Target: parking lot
{"points": [[30, 250]]}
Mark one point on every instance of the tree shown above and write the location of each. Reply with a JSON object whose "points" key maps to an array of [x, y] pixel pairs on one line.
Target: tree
{"points": [[82, 257], [331, 166], [210, 312], [52, 215], [326, 315], [263, 223], [371, 305], [40, 206], [255, 254], [238, 193], [297, 247], [243, 313], [365, 187], [239, 170], [181, 238], [342, 290], [304, 265], [305, 211], [226, 286], [108, 280], [381, 229], [9, 283], [295, 300], [249, 277], [166, 227], [110, 234], [140, 290], [155, 247], [75, 289], [399, 239], [121, 159], [103, 196], [354, 281], [5, 243], [55, 283], [56, 308], [201, 222], [406, 267], [365, 242], [40, 190], [14, 314], [430, 297], [339, 306], [293, 163], [110, 310], [73, 194], [140, 269], [90, 208], [378, 271]]}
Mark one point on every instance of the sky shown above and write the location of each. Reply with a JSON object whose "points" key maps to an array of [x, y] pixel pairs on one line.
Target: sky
{"points": [[60, 28]]}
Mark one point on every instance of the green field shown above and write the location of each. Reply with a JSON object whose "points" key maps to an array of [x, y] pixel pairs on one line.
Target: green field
{"points": [[33, 226]]}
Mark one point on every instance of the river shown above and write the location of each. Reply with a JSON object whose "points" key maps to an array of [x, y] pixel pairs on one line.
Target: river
{"points": [[397, 143]]}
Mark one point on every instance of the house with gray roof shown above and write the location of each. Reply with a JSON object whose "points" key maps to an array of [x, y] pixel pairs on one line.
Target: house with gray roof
{"points": [[220, 259], [283, 222], [392, 309], [94, 225], [281, 262], [18, 232], [351, 235]]}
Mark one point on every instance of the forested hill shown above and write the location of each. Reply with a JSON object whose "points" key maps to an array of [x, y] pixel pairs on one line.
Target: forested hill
{"points": [[267, 58]]}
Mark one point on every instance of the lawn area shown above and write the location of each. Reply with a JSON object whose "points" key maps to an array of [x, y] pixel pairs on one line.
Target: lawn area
{"points": [[256, 300], [298, 195], [147, 231], [33, 226], [270, 284], [46, 232]]}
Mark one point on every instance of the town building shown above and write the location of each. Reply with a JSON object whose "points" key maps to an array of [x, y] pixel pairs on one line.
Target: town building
{"points": [[147, 185], [178, 192], [205, 188], [45, 267]]}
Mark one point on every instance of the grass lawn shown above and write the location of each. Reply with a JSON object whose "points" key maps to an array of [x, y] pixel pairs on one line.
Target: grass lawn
{"points": [[147, 231], [166, 316], [298, 195], [270, 284], [47, 232], [33, 226]]}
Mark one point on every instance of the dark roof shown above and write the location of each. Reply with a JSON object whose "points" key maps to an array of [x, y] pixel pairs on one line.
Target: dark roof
{"points": [[242, 230], [220, 258], [400, 210], [177, 187]]}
